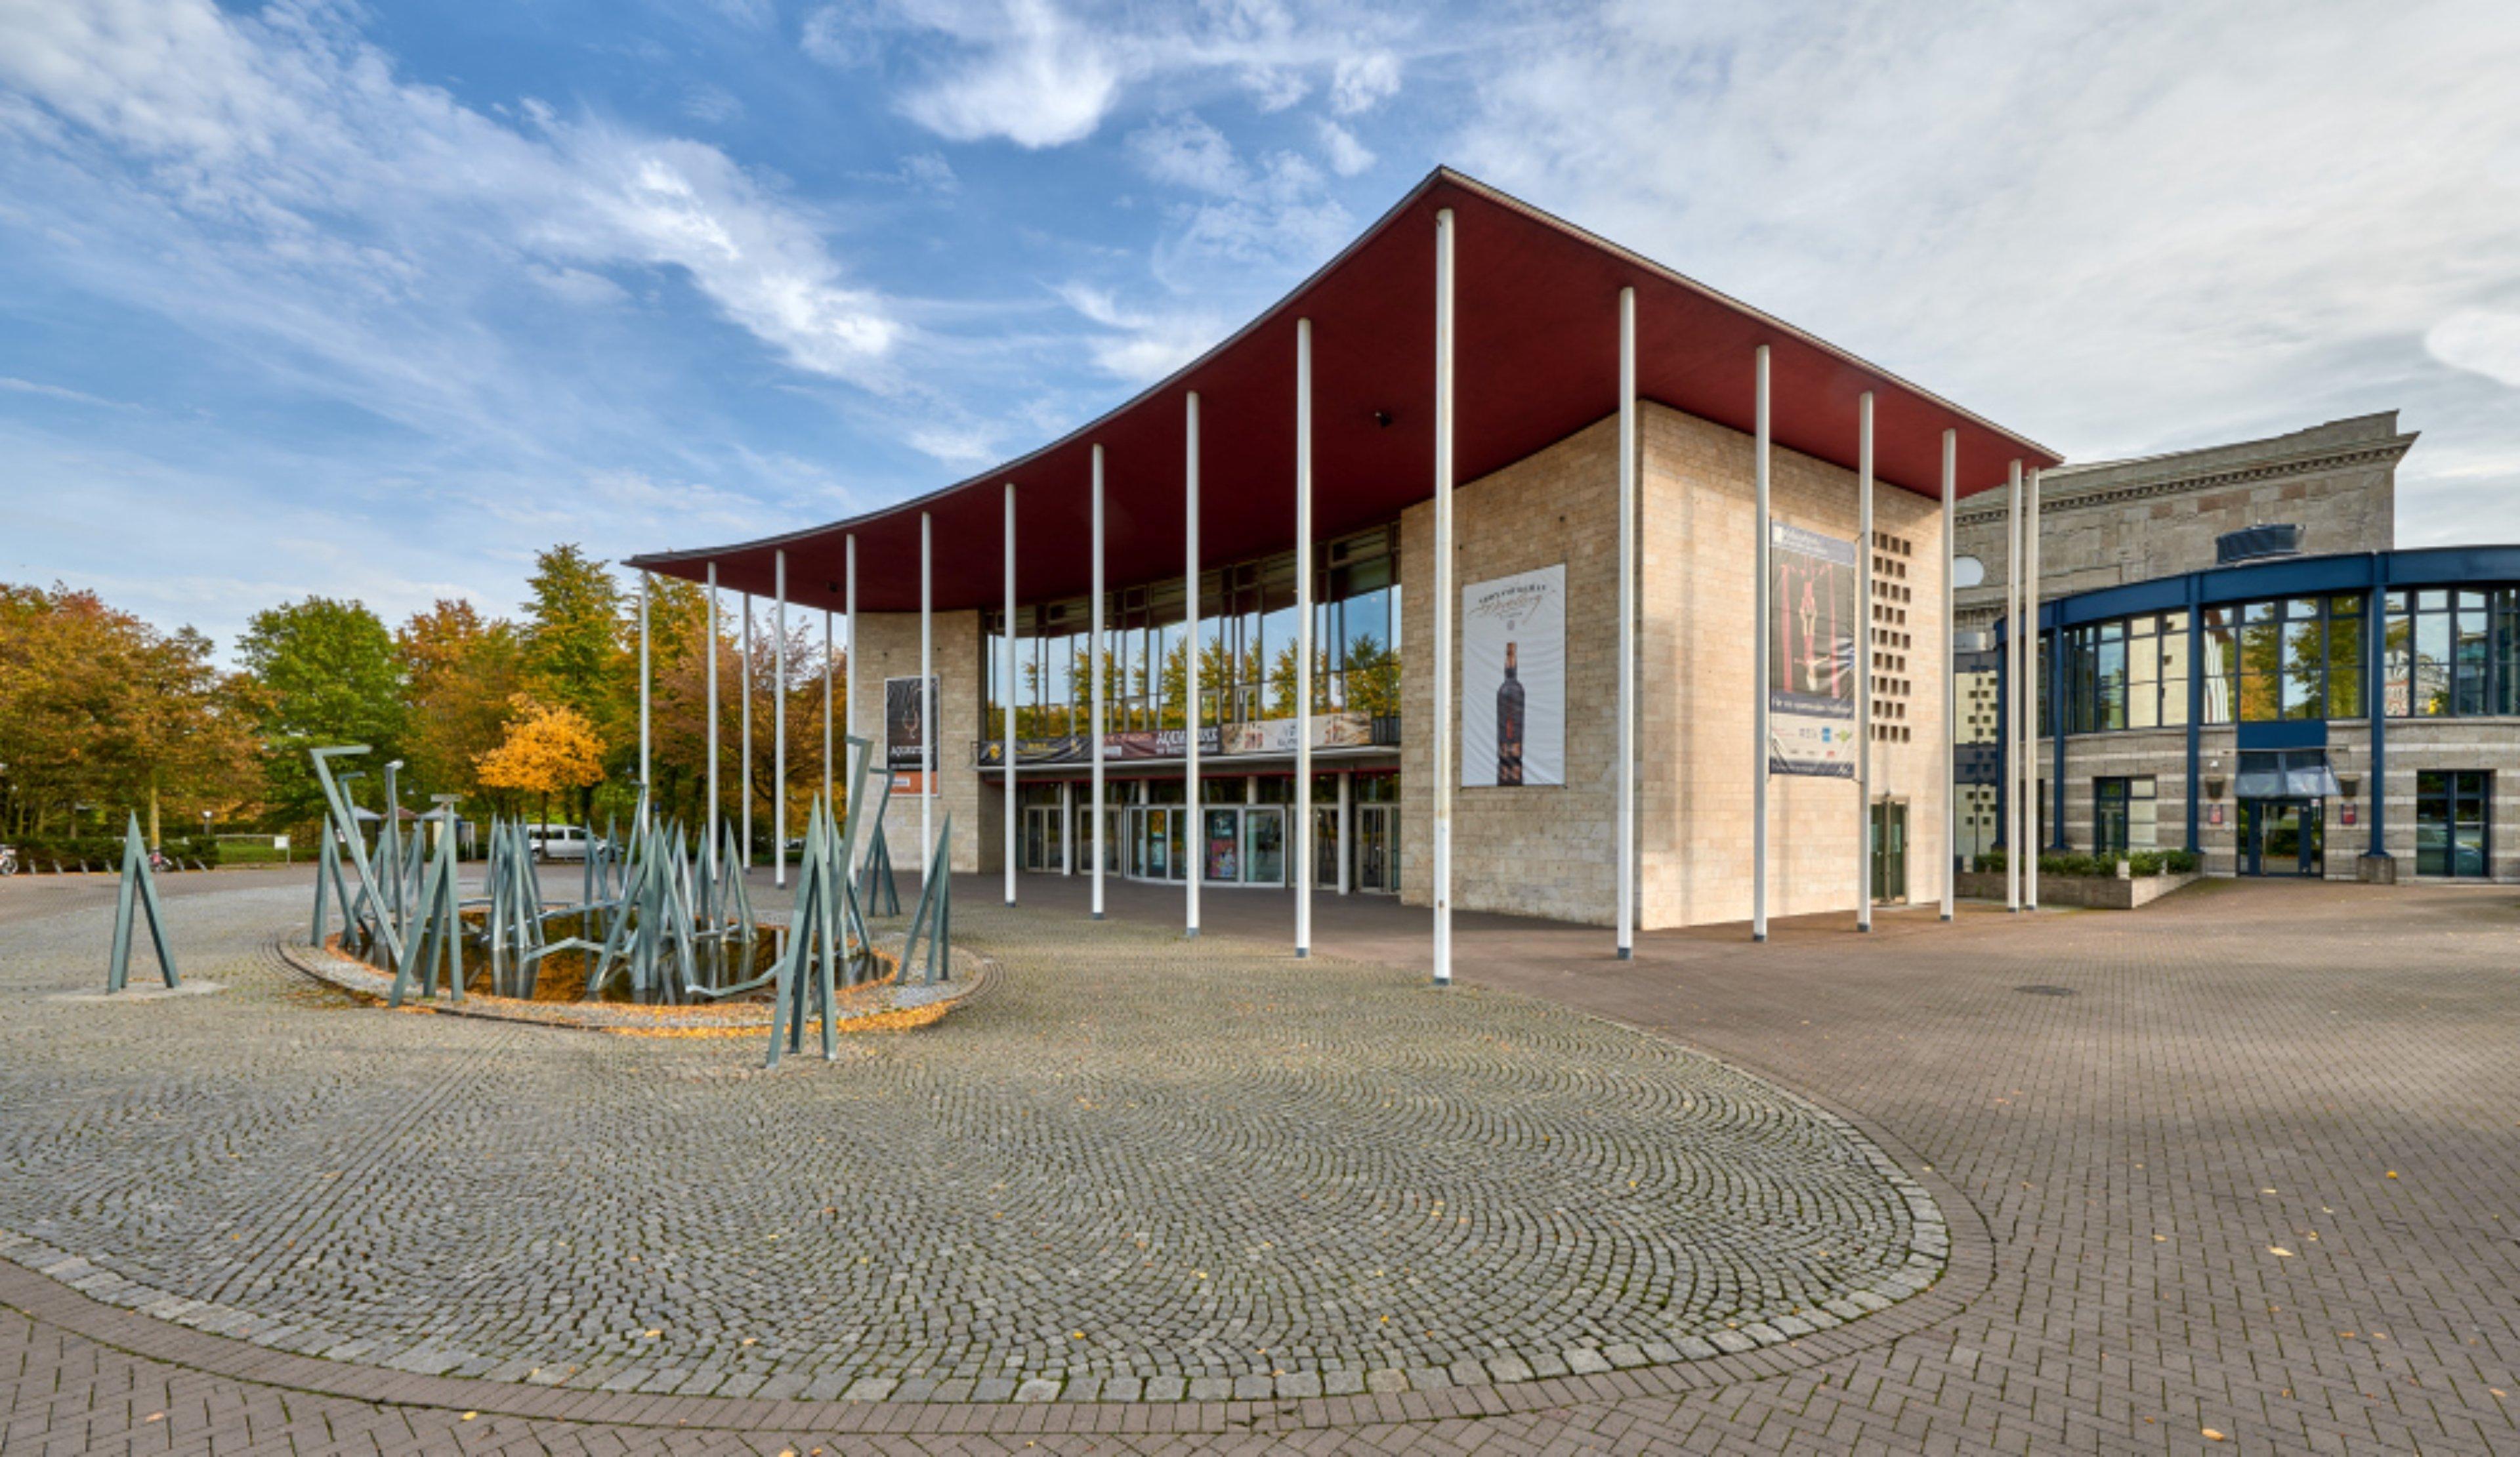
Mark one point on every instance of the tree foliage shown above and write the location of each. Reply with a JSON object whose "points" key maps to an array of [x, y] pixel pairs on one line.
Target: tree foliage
{"points": [[328, 675]]}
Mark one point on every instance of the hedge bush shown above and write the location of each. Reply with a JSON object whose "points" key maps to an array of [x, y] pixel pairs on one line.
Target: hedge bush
{"points": [[2141, 863], [106, 850]]}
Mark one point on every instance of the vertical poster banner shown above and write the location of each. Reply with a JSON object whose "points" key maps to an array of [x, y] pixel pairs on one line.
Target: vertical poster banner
{"points": [[901, 725], [1514, 680], [1810, 653]]}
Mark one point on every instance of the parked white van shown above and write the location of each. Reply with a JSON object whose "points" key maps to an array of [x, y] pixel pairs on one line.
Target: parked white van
{"points": [[557, 841]]}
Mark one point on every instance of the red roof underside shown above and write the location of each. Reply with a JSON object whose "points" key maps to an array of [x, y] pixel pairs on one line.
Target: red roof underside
{"points": [[1535, 361]]}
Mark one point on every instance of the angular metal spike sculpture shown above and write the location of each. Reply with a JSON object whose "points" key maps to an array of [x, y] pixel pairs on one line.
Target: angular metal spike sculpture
{"points": [[934, 915], [136, 877]]}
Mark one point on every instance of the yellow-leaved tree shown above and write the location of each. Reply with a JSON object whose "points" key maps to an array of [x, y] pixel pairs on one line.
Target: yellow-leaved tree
{"points": [[545, 749]]}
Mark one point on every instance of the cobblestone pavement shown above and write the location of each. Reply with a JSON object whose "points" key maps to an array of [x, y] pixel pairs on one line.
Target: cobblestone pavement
{"points": [[2252, 1180]]}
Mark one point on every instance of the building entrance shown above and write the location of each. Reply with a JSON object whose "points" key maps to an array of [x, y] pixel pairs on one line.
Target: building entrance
{"points": [[2283, 837], [1045, 845], [1378, 848], [1890, 851]]}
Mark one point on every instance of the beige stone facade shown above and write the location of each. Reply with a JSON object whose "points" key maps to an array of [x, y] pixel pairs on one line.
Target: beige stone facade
{"points": [[1550, 851], [2115, 521], [888, 647]]}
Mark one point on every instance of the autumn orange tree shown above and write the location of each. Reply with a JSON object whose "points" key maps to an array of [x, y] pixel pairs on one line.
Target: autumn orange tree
{"points": [[545, 749]]}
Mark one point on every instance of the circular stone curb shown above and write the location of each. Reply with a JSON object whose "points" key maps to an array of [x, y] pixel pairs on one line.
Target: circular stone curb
{"points": [[881, 1006], [158, 993]]}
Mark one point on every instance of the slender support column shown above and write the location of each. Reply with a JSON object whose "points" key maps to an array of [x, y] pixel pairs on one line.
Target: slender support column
{"points": [[927, 698], [778, 719], [744, 776], [1094, 676], [1763, 630], [849, 607], [1443, 603], [647, 586], [711, 840], [1067, 826], [1626, 858], [2013, 684], [1346, 831], [1303, 637], [826, 713], [2376, 690], [2030, 698], [1006, 699], [1950, 674], [1197, 840], [1863, 662]]}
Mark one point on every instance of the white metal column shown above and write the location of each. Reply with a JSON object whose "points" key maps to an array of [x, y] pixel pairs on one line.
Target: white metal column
{"points": [[2010, 732], [778, 719], [1067, 826], [849, 606], [1094, 674], [1195, 839], [646, 582], [1864, 661], [1951, 673], [1443, 603], [710, 837], [1759, 672], [744, 779], [2030, 696], [1303, 637], [927, 698], [1347, 834], [1006, 703], [827, 711], [1626, 749]]}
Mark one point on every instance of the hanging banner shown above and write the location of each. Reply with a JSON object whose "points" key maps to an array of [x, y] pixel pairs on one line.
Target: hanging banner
{"points": [[1811, 653], [1514, 680], [903, 725]]}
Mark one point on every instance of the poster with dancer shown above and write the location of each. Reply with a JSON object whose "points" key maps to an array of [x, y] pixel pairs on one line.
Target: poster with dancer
{"points": [[1811, 653], [903, 741], [1514, 680]]}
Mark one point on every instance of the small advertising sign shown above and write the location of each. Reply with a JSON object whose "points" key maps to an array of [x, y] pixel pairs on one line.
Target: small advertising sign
{"points": [[905, 745]]}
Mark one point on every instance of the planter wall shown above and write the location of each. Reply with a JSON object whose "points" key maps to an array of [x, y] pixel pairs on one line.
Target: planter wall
{"points": [[2099, 893]]}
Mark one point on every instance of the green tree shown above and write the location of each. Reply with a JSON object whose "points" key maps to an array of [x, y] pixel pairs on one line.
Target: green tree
{"points": [[328, 674], [459, 673]]}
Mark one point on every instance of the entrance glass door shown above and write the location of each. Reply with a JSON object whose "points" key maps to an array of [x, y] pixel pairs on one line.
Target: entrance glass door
{"points": [[1221, 847], [1043, 848], [1890, 851], [1377, 847], [1325, 848], [2283, 837], [1264, 846], [1156, 848]]}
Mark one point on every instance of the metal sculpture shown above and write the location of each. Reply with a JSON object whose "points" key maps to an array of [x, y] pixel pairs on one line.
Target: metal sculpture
{"points": [[934, 915], [136, 878]]}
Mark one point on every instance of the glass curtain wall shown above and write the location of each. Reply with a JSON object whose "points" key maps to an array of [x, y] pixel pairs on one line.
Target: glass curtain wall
{"points": [[2453, 652], [2290, 658], [1246, 650]]}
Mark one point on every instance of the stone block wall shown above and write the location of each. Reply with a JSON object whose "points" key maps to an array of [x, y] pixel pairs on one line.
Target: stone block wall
{"points": [[1551, 852], [888, 647]]}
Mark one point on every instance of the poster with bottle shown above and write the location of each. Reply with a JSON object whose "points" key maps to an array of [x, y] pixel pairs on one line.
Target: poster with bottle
{"points": [[904, 721], [1514, 680], [1811, 653]]}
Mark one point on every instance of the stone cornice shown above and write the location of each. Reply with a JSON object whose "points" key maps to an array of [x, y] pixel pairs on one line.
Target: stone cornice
{"points": [[2139, 490]]}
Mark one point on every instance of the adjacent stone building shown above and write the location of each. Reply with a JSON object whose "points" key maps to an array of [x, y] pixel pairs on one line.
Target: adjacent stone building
{"points": [[2110, 522]]}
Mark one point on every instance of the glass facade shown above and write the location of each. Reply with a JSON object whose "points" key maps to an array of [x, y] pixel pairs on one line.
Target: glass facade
{"points": [[2454, 651], [1246, 648], [2286, 658], [2130, 673], [2452, 822]]}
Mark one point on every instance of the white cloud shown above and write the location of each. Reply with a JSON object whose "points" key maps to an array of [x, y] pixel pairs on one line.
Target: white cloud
{"points": [[839, 36], [1360, 83], [1184, 151], [2485, 340], [2206, 220], [1347, 156], [1026, 72], [1141, 346], [282, 151]]}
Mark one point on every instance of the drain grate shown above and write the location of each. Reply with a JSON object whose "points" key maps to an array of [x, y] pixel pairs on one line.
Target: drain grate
{"points": [[2047, 991]]}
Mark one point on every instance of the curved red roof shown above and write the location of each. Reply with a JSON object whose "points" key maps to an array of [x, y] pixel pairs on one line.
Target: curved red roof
{"points": [[1536, 359]]}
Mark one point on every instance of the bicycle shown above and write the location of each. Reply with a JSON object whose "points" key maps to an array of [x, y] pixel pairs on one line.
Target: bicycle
{"points": [[7, 859]]}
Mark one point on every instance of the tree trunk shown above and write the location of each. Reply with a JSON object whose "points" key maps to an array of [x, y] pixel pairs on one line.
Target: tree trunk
{"points": [[154, 843]]}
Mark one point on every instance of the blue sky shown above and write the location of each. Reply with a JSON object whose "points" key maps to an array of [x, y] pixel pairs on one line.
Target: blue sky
{"points": [[375, 299]]}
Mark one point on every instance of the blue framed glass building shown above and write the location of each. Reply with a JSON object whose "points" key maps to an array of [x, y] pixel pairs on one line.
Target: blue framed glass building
{"points": [[2345, 716]]}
